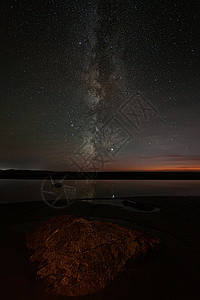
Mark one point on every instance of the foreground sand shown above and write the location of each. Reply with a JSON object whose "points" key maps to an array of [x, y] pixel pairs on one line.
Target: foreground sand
{"points": [[173, 274]]}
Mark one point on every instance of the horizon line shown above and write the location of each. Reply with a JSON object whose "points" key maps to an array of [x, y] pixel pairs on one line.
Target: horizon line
{"points": [[192, 169]]}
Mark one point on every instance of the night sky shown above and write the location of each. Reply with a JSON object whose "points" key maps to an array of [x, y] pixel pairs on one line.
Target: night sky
{"points": [[100, 85]]}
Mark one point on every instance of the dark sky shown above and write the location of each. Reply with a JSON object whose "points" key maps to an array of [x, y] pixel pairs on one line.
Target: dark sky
{"points": [[111, 85]]}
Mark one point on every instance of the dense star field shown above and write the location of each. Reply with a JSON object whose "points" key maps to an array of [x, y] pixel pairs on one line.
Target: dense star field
{"points": [[100, 85]]}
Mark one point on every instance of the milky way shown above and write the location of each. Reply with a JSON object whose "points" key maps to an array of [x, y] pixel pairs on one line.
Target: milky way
{"points": [[101, 84], [102, 78]]}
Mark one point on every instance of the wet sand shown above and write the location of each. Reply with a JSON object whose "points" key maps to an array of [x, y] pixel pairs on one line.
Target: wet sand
{"points": [[173, 273]]}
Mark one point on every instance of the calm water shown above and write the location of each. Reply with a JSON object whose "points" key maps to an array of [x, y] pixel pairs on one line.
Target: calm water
{"points": [[31, 190]]}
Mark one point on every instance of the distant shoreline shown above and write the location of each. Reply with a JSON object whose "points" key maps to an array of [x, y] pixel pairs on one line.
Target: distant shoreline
{"points": [[139, 175]]}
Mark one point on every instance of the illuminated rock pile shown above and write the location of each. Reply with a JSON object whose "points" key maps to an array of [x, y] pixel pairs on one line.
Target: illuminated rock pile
{"points": [[77, 256]]}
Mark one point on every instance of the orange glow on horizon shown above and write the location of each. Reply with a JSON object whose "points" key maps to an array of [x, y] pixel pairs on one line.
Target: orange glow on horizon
{"points": [[157, 168]]}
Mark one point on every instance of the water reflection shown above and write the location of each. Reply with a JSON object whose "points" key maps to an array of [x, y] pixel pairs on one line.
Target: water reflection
{"points": [[30, 190]]}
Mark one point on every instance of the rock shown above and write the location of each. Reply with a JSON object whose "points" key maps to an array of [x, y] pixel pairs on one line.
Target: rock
{"points": [[140, 206], [78, 256]]}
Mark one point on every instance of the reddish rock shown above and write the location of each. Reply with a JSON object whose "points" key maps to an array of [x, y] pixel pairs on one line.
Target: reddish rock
{"points": [[78, 256]]}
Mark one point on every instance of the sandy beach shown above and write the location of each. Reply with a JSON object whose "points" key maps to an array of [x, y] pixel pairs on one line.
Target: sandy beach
{"points": [[173, 273]]}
